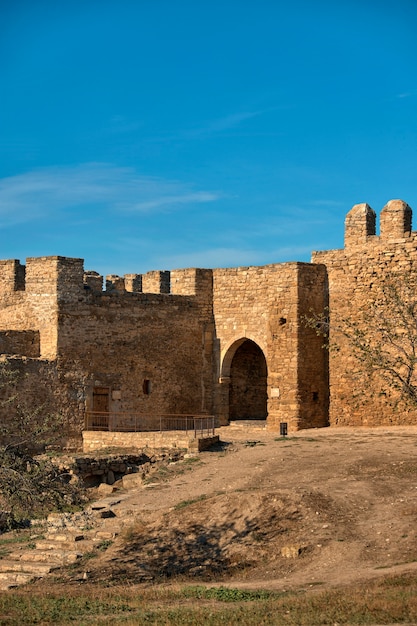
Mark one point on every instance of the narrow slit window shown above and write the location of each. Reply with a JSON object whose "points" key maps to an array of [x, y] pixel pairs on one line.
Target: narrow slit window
{"points": [[146, 386]]}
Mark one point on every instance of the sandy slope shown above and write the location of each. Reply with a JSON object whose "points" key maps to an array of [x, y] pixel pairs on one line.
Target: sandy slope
{"points": [[340, 503]]}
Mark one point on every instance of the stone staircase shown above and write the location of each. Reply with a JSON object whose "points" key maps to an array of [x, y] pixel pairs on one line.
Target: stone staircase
{"points": [[255, 424], [241, 428], [60, 540]]}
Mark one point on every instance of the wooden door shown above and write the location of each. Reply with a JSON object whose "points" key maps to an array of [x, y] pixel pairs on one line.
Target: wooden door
{"points": [[101, 401]]}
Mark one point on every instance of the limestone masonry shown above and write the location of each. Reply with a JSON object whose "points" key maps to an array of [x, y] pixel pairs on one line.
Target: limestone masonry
{"points": [[224, 342]]}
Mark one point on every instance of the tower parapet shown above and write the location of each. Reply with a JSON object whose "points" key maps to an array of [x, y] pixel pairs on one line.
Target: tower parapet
{"points": [[115, 283], [156, 282], [12, 276], [93, 280], [192, 282], [55, 275], [133, 283], [395, 220], [360, 223]]}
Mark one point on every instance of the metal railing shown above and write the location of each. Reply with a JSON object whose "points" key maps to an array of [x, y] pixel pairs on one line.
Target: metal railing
{"points": [[198, 425]]}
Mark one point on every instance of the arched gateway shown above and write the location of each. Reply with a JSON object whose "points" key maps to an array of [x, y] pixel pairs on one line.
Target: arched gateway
{"points": [[245, 367]]}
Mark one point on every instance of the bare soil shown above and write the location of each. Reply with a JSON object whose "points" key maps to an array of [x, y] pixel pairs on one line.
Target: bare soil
{"points": [[324, 507]]}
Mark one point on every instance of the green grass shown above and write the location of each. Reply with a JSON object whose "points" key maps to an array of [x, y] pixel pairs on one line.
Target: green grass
{"points": [[103, 545], [185, 503], [166, 472], [19, 609], [193, 460], [18, 537], [226, 594], [387, 601], [9, 540]]}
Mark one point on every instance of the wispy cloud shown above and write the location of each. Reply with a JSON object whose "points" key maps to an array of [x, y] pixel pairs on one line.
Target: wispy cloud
{"points": [[287, 221], [170, 200], [332, 204], [224, 123], [212, 127], [39, 193], [235, 257], [407, 94], [234, 121], [290, 253], [215, 257]]}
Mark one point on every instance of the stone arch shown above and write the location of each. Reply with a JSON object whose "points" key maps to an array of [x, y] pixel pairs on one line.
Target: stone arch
{"points": [[245, 370]]}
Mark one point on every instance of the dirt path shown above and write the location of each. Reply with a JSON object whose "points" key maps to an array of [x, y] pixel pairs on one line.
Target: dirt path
{"points": [[323, 507]]}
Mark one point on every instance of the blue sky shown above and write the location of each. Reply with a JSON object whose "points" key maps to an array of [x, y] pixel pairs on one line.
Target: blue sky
{"points": [[160, 134]]}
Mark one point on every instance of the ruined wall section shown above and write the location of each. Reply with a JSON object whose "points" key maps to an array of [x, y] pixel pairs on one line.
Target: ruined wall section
{"points": [[354, 274], [29, 298], [152, 351], [29, 312], [265, 304], [16, 315], [37, 392], [20, 342]]}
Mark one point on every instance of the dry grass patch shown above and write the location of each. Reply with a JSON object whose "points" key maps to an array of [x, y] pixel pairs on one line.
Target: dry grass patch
{"points": [[387, 601]]}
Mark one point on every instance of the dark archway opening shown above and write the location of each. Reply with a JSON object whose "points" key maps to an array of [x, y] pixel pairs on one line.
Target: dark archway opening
{"points": [[248, 383]]}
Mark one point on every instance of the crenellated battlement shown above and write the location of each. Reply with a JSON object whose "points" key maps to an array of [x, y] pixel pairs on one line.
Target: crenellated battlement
{"points": [[395, 220], [228, 341], [355, 275], [185, 282], [395, 223], [360, 223], [35, 296], [65, 278], [12, 276]]}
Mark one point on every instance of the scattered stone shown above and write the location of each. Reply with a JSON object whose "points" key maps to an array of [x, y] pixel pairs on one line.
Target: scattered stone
{"points": [[291, 552], [132, 480], [104, 489], [107, 513]]}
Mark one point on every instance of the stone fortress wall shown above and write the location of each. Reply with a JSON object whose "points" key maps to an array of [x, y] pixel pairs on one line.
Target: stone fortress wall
{"points": [[119, 350], [229, 342], [265, 305], [354, 274]]}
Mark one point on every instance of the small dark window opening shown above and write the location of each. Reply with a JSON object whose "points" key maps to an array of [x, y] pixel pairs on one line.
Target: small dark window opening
{"points": [[282, 321], [315, 396], [146, 386]]}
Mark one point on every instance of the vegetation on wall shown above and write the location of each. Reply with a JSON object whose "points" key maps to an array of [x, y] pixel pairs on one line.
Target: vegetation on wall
{"points": [[381, 336], [30, 484]]}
